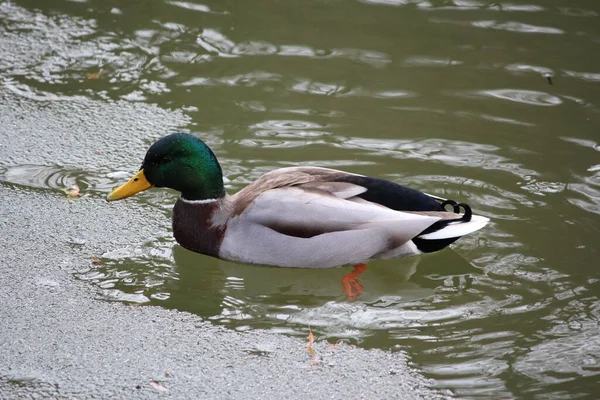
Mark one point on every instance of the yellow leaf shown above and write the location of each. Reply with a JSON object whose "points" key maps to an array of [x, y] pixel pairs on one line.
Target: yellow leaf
{"points": [[94, 75], [311, 340], [73, 192], [95, 260]]}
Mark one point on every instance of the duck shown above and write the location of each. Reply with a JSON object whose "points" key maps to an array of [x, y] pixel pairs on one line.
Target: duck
{"points": [[296, 217]]}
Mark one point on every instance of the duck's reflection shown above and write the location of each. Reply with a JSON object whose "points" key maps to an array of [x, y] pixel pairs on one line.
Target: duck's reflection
{"points": [[229, 292]]}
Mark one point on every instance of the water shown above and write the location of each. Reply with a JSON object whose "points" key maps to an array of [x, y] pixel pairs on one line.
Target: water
{"points": [[492, 104]]}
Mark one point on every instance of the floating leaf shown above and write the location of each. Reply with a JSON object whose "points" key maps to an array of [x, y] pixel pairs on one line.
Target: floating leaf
{"points": [[310, 350], [311, 340], [94, 75], [73, 192], [95, 260]]}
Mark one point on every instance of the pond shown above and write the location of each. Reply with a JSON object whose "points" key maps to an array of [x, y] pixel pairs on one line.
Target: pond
{"points": [[493, 104]]}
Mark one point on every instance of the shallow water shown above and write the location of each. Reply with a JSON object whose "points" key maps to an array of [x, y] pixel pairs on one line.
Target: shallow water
{"points": [[492, 104]]}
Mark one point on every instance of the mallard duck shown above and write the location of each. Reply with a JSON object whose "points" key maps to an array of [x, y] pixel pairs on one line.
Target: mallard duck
{"points": [[307, 217]]}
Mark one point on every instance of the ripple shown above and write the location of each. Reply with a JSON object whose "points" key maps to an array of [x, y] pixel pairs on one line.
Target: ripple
{"points": [[577, 347], [133, 274], [483, 193], [249, 295], [542, 188], [192, 6], [256, 48], [214, 41], [288, 129], [279, 144], [298, 85], [246, 80], [468, 5], [582, 142], [531, 97], [44, 177], [519, 68], [505, 120], [393, 2], [34, 94], [60, 178], [319, 88], [517, 27], [585, 76], [257, 106], [421, 61], [338, 90], [306, 111], [450, 152], [335, 164], [588, 191], [370, 57], [577, 12], [464, 114]]}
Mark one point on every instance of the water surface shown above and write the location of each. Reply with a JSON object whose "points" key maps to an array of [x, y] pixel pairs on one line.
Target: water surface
{"points": [[493, 104]]}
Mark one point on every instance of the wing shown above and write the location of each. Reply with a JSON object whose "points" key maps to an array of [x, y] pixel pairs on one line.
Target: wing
{"points": [[320, 217], [310, 227], [344, 185]]}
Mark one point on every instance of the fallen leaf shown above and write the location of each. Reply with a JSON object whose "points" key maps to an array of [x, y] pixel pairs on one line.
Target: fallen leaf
{"points": [[336, 344], [94, 75], [310, 350], [73, 192], [158, 386], [311, 340], [95, 260]]}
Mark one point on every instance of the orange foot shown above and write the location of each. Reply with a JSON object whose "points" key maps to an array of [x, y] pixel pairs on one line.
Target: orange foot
{"points": [[351, 282]]}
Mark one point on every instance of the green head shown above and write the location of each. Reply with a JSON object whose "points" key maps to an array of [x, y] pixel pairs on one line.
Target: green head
{"points": [[178, 161]]}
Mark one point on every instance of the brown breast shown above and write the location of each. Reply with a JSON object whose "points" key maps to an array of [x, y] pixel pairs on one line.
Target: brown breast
{"points": [[194, 229]]}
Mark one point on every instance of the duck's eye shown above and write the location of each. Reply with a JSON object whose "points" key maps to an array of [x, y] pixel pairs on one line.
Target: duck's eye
{"points": [[164, 160]]}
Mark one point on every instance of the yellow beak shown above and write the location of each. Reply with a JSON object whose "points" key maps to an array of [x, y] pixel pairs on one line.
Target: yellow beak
{"points": [[135, 185]]}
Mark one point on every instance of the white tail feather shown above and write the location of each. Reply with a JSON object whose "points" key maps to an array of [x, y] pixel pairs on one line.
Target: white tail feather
{"points": [[457, 229]]}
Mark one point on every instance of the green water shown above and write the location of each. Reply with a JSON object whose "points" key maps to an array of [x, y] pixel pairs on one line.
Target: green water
{"points": [[450, 97]]}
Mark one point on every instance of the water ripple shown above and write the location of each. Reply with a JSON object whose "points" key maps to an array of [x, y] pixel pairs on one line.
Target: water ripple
{"points": [[517, 27], [449, 152], [531, 97], [248, 79], [288, 129], [423, 61], [52, 177], [468, 5], [193, 6], [215, 42], [585, 76], [576, 345], [577, 12], [519, 68], [582, 142], [460, 5], [589, 192]]}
